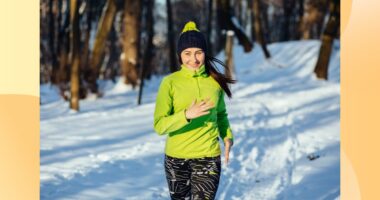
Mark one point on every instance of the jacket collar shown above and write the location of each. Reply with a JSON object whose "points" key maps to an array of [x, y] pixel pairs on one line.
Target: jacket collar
{"points": [[194, 73]]}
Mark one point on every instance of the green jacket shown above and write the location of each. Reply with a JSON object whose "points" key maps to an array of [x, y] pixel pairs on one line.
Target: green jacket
{"points": [[199, 137]]}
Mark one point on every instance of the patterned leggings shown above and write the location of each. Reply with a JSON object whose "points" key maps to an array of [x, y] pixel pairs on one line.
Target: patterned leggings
{"points": [[192, 178]]}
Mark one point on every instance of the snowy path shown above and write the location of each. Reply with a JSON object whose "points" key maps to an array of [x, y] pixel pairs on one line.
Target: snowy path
{"points": [[280, 117]]}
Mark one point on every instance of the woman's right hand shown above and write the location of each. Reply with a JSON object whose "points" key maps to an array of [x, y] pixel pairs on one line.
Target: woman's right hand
{"points": [[198, 109]]}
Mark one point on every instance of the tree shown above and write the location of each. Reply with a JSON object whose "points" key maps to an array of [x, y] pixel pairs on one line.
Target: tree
{"points": [[288, 6], [52, 14], [148, 56], [131, 41], [298, 31], [209, 27], [63, 75], [85, 50], [75, 42], [331, 30], [104, 27], [313, 18], [227, 21], [172, 54], [258, 27], [230, 70]]}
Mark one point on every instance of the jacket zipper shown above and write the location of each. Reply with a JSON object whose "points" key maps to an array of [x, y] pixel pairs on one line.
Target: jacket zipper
{"points": [[199, 89]]}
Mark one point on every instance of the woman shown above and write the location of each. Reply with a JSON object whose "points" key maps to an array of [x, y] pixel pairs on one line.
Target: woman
{"points": [[190, 109]]}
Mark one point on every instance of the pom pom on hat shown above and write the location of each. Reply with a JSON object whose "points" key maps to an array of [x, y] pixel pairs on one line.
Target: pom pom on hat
{"points": [[191, 37], [190, 26]]}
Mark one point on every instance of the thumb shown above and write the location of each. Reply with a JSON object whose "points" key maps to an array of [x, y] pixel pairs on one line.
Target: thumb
{"points": [[193, 103]]}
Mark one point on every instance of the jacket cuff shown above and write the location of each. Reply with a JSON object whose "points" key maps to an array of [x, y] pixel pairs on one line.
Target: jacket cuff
{"points": [[229, 134]]}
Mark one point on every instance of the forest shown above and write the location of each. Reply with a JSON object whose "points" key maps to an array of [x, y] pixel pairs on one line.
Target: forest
{"points": [[84, 41], [102, 64]]}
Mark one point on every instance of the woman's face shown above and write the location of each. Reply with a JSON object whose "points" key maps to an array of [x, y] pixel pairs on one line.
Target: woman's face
{"points": [[193, 57]]}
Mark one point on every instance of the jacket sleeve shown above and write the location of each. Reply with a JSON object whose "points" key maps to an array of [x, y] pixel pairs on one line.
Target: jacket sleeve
{"points": [[165, 121], [223, 123]]}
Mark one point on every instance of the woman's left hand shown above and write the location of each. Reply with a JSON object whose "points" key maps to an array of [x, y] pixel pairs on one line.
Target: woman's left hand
{"points": [[227, 147]]}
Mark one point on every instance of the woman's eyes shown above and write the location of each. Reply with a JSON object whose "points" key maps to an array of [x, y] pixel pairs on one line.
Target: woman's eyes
{"points": [[197, 53]]}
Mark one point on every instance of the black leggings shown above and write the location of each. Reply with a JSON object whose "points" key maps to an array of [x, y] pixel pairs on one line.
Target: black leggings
{"points": [[192, 178]]}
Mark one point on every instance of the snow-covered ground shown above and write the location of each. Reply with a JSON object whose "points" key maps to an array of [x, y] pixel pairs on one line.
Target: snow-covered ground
{"points": [[286, 125]]}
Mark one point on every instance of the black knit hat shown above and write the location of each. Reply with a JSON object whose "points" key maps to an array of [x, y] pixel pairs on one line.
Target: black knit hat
{"points": [[191, 37]]}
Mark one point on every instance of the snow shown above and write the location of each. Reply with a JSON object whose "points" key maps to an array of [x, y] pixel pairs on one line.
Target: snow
{"points": [[286, 125]]}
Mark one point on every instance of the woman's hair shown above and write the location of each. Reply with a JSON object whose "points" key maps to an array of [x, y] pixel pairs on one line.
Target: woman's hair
{"points": [[213, 71]]}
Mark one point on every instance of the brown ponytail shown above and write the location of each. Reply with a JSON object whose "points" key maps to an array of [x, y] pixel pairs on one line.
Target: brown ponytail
{"points": [[219, 77]]}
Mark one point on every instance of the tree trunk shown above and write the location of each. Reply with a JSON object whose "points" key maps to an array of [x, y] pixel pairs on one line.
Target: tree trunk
{"points": [[264, 20], [53, 56], [314, 18], [226, 22], [75, 42], [221, 26], [85, 57], [172, 54], [45, 75], [132, 14], [229, 54], [238, 11], [148, 56], [244, 14], [104, 28], [300, 17], [59, 19], [112, 65], [305, 23], [252, 20], [288, 6], [209, 28], [258, 28], [64, 41], [321, 69], [322, 11]]}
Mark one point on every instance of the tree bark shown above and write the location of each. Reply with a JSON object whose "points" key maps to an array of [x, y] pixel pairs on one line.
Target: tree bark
{"points": [[64, 41], [104, 28], [321, 69], [307, 20], [132, 15], [85, 57], [300, 17], [288, 6], [313, 17], [227, 21], [59, 19], [113, 51], [172, 54], [229, 54], [258, 28], [323, 8], [148, 56], [75, 42], [209, 27], [264, 20], [45, 75], [53, 56], [221, 26], [238, 10]]}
